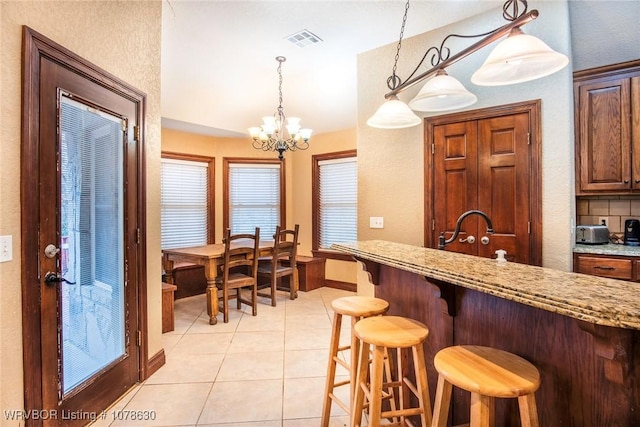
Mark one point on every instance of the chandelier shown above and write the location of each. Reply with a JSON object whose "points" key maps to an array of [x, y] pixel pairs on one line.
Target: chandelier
{"points": [[273, 134], [518, 58]]}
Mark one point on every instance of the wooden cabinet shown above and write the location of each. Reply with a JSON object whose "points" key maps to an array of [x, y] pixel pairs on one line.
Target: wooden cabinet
{"points": [[607, 129], [613, 267]]}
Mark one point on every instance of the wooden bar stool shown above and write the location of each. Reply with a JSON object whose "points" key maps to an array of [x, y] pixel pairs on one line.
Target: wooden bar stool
{"points": [[384, 333], [487, 373], [358, 307]]}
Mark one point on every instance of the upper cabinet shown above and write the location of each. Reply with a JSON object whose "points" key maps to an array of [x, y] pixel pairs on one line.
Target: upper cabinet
{"points": [[607, 129]]}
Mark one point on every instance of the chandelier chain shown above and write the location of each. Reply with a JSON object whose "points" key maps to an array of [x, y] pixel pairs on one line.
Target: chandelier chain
{"points": [[393, 81], [280, 85]]}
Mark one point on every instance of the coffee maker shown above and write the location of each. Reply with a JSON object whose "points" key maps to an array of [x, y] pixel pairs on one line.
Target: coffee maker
{"points": [[632, 232]]}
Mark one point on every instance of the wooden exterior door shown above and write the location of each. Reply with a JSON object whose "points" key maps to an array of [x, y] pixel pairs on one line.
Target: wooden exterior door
{"points": [[486, 160], [82, 218]]}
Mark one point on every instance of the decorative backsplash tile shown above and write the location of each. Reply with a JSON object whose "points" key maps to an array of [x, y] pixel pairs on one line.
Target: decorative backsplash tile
{"points": [[617, 208]]}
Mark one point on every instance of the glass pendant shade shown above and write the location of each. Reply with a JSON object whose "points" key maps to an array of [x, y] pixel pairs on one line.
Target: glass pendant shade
{"points": [[442, 93], [394, 114], [518, 58]]}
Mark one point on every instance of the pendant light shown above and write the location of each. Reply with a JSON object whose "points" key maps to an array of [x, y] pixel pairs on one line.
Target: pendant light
{"points": [[441, 93], [517, 59], [394, 114]]}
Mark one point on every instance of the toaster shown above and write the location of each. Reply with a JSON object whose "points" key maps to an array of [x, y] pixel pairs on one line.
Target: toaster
{"points": [[592, 234]]}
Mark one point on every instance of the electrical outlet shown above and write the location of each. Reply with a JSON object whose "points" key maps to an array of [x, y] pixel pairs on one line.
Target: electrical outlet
{"points": [[376, 222], [603, 220]]}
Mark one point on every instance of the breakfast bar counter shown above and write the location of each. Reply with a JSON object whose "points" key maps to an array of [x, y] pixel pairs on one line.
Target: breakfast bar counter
{"points": [[582, 332]]}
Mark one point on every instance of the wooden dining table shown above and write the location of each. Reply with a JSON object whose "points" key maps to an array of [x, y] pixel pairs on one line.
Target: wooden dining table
{"points": [[211, 257]]}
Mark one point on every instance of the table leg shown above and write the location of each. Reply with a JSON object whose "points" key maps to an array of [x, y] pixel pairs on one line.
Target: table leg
{"points": [[212, 302]]}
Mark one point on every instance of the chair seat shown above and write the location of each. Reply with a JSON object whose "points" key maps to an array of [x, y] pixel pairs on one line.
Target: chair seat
{"points": [[236, 280], [280, 269]]}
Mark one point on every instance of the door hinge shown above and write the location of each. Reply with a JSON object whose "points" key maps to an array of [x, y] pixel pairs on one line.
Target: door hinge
{"points": [[136, 133], [528, 138], [433, 224], [529, 227], [433, 149], [137, 236], [139, 338]]}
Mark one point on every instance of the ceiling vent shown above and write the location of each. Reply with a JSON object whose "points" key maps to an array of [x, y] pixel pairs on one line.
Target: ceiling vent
{"points": [[303, 38]]}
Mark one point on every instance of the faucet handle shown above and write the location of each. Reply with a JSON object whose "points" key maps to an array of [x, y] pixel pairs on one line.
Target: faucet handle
{"points": [[469, 239]]}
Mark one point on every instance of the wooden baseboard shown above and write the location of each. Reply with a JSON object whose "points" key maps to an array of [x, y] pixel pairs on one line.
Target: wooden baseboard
{"points": [[345, 286], [155, 362]]}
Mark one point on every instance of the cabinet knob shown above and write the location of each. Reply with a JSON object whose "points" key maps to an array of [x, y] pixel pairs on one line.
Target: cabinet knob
{"points": [[637, 181], [626, 181]]}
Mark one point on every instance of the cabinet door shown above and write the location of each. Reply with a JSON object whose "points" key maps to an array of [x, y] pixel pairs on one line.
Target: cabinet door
{"points": [[604, 135], [635, 130]]}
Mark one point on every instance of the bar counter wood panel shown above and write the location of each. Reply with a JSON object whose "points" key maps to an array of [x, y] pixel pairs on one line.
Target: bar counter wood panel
{"points": [[575, 390]]}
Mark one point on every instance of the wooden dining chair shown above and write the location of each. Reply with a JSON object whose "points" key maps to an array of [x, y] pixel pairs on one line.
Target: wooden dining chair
{"points": [[239, 270], [282, 264]]}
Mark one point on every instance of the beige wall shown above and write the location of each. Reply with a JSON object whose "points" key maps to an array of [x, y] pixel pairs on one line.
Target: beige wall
{"points": [[105, 34], [298, 179], [391, 171]]}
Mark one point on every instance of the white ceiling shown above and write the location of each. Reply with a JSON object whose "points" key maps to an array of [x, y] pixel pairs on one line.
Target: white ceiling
{"points": [[218, 57]]}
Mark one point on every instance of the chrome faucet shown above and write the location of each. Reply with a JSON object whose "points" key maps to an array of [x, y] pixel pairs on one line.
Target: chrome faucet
{"points": [[442, 242]]}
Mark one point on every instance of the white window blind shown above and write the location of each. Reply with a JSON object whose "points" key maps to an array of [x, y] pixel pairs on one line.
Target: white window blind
{"points": [[254, 198], [338, 196], [184, 187]]}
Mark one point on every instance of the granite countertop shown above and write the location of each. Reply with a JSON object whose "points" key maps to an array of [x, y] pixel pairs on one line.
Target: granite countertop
{"points": [[592, 299], [608, 249]]}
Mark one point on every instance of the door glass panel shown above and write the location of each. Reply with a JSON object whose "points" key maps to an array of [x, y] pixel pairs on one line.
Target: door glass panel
{"points": [[92, 311]]}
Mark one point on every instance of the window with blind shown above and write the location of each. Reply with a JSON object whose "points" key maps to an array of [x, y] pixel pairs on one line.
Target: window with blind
{"points": [[255, 195], [186, 202], [335, 192]]}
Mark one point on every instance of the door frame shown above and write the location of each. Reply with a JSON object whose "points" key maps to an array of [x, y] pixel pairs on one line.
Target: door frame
{"points": [[534, 109], [35, 48]]}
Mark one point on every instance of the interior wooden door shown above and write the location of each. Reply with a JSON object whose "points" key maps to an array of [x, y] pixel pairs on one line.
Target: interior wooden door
{"points": [[486, 160], [503, 185]]}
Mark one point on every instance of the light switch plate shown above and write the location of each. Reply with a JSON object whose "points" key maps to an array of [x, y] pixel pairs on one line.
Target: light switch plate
{"points": [[376, 222], [6, 248]]}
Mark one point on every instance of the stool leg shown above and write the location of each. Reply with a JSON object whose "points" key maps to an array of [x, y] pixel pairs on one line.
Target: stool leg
{"points": [[331, 369], [361, 383], [355, 353], [375, 402], [442, 402], [528, 410], [482, 409], [422, 384]]}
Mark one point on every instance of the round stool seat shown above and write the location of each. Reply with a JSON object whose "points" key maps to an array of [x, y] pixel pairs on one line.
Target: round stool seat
{"points": [[359, 306], [487, 371], [391, 331]]}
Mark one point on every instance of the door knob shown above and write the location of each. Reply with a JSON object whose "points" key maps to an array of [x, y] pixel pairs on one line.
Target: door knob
{"points": [[52, 278], [51, 251]]}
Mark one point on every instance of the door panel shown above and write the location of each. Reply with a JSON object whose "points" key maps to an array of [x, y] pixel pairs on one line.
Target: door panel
{"points": [[455, 181], [503, 192], [83, 265]]}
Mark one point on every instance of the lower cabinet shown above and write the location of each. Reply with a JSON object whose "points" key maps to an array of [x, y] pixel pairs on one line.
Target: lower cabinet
{"points": [[611, 266]]}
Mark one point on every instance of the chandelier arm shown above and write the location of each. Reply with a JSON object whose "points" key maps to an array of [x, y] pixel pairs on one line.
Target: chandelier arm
{"points": [[490, 38]]}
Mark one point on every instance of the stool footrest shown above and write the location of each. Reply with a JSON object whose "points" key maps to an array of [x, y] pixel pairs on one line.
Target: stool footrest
{"points": [[342, 363], [339, 402]]}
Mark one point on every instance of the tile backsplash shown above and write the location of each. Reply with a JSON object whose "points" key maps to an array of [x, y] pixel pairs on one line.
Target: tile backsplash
{"points": [[617, 208]]}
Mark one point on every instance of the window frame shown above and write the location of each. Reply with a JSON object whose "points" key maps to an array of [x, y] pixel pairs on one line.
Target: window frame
{"points": [[315, 204], [227, 162], [210, 161]]}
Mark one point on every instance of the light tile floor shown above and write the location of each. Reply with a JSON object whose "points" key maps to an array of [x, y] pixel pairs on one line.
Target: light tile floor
{"points": [[262, 371]]}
